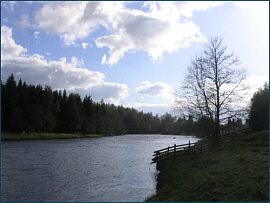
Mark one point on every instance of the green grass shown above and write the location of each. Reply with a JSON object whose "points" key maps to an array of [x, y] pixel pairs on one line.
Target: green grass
{"points": [[236, 171], [13, 136]]}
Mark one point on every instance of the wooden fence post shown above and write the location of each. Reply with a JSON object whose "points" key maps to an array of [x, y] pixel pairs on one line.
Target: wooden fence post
{"points": [[174, 149], [168, 152], [189, 146]]}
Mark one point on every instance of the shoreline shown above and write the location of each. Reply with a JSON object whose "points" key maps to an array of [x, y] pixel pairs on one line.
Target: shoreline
{"points": [[46, 136], [236, 171]]}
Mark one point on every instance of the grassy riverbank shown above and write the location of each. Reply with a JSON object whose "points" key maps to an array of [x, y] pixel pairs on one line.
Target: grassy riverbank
{"points": [[236, 171], [27, 136]]}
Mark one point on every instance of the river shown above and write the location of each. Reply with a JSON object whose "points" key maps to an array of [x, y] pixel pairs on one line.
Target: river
{"points": [[105, 169]]}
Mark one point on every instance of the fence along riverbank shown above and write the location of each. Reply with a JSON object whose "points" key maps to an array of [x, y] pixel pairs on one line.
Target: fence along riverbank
{"points": [[200, 146]]}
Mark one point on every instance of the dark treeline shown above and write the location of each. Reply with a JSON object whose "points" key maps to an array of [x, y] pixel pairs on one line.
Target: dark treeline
{"points": [[29, 108]]}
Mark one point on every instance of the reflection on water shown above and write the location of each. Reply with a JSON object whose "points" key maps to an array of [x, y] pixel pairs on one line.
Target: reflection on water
{"points": [[82, 170]]}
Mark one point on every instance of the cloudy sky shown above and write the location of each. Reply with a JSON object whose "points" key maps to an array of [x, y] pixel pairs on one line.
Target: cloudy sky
{"points": [[128, 53]]}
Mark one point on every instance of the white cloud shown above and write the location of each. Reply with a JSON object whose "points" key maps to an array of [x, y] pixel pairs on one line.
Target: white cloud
{"points": [[75, 20], [35, 69], [138, 105], [255, 82], [185, 9], [84, 45], [24, 22], [9, 48], [259, 14], [158, 29], [258, 7], [146, 82], [159, 109], [104, 59], [137, 30], [59, 17], [109, 92], [158, 89], [9, 5], [58, 74], [36, 33]]}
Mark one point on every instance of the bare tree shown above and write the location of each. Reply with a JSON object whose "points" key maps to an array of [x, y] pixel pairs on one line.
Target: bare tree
{"points": [[212, 88]]}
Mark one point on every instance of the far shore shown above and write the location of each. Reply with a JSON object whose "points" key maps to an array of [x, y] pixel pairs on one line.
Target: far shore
{"points": [[45, 136], [35, 136]]}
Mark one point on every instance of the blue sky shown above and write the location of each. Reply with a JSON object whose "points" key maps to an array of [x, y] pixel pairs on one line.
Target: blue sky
{"points": [[128, 53]]}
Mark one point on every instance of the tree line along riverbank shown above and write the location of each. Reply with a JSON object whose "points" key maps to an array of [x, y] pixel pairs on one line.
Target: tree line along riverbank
{"points": [[40, 136], [236, 171], [29, 108]]}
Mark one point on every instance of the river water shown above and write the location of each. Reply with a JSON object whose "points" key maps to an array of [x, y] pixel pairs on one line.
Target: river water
{"points": [[105, 169]]}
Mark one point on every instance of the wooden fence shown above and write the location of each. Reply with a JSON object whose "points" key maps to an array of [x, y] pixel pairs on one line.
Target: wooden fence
{"points": [[201, 145]]}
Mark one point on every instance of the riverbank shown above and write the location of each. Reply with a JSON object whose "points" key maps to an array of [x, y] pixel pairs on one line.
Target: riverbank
{"points": [[236, 171], [31, 136]]}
